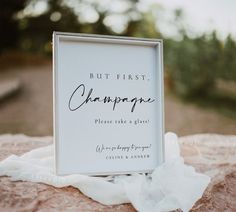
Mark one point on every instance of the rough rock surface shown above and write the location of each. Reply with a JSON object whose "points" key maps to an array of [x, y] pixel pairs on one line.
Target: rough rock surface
{"points": [[212, 154]]}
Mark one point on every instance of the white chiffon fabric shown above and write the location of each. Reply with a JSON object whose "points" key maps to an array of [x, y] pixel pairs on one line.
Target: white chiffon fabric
{"points": [[173, 185]]}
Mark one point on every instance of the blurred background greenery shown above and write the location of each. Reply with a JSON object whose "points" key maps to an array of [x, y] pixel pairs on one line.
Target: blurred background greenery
{"points": [[200, 68]]}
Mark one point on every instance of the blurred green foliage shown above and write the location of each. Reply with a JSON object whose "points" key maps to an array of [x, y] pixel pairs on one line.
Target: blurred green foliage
{"points": [[228, 67], [34, 31], [193, 65], [9, 31]]}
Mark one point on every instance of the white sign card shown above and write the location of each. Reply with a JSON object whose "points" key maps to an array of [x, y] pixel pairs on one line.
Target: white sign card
{"points": [[108, 104]]}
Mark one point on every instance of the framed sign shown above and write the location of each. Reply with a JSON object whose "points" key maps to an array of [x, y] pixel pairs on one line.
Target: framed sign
{"points": [[108, 104]]}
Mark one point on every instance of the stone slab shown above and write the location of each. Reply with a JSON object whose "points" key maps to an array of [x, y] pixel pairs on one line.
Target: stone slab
{"points": [[214, 155]]}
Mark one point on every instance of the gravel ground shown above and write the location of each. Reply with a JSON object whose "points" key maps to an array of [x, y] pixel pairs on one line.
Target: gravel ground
{"points": [[30, 110]]}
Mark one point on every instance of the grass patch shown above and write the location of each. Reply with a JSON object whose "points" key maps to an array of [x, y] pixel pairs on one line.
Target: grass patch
{"points": [[222, 102]]}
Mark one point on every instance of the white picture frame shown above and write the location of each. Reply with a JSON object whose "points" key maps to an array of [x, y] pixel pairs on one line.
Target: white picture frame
{"points": [[108, 104]]}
